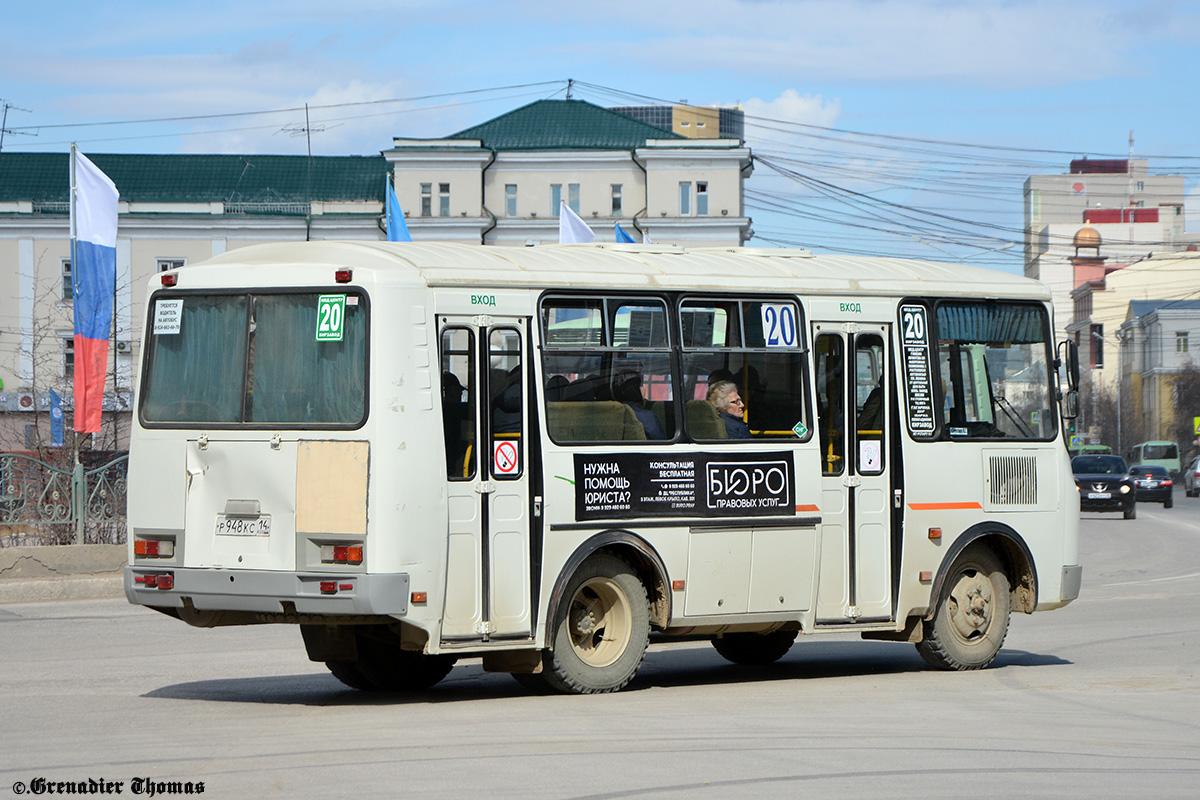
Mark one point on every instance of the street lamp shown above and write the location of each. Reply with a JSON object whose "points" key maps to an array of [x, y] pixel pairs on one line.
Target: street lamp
{"points": [[1121, 336], [1092, 422]]}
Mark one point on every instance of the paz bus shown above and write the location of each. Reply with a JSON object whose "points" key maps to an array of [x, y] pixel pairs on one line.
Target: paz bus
{"points": [[419, 452], [1160, 453]]}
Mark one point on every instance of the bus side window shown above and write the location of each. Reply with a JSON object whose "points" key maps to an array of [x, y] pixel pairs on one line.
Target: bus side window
{"points": [[505, 391], [830, 365], [458, 402]]}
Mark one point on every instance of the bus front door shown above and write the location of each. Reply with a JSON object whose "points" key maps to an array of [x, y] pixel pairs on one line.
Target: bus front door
{"points": [[853, 376], [484, 382]]}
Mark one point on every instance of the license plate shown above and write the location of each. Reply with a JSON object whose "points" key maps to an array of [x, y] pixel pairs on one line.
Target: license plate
{"points": [[243, 526], [1149, 484], [1099, 495]]}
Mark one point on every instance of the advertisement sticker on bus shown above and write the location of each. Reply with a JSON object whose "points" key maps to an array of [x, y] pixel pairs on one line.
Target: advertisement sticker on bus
{"points": [[701, 484]]}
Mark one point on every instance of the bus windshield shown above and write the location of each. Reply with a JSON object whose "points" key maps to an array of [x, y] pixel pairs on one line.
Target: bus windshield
{"points": [[238, 359], [993, 359]]}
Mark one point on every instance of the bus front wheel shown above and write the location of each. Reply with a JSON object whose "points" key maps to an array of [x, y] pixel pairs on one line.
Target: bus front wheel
{"points": [[600, 631], [971, 620]]}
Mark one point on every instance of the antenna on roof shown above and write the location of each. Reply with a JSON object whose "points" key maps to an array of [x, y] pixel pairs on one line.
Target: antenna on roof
{"points": [[570, 84], [4, 122]]}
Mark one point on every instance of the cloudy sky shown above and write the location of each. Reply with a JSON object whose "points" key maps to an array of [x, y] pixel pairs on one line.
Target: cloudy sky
{"points": [[1011, 86]]}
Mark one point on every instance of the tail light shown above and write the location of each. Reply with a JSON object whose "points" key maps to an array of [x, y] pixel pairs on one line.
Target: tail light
{"points": [[342, 553], [156, 580], [153, 548]]}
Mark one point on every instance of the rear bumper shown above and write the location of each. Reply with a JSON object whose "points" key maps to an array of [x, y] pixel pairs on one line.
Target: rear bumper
{"points": [[1072, 579], [267, 592]]}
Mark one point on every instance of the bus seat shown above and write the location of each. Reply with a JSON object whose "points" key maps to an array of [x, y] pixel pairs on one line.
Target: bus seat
{"points": [[703, 422], [556, 388], [665, 411], [593, 421]]}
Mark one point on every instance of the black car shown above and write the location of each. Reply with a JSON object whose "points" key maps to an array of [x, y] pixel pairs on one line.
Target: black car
{"points": [[1154, 484], [1104, 484]]}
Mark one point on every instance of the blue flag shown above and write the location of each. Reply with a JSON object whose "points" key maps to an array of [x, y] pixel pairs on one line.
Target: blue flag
{"points": [[397, 228], [622, 236]]}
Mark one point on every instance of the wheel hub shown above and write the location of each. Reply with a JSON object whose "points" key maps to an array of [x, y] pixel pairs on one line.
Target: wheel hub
{"points": [[971, 605]]}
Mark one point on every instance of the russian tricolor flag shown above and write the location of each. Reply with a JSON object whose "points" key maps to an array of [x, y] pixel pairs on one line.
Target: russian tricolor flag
{"points": [[94, 271]]}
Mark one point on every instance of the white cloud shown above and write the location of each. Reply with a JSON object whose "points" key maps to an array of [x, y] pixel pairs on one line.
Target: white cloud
{"points": [[791, 106]]}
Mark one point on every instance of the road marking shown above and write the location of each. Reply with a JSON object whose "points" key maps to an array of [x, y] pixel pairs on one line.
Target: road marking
{"points": [[1153, 580]]}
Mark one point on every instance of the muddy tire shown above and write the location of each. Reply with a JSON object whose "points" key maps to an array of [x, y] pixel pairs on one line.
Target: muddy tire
{"points": [[754, 649], [971, 621], [600, 630]]}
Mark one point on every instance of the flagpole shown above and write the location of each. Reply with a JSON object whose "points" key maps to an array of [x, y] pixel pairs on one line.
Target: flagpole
{"points": [[79, 491]]}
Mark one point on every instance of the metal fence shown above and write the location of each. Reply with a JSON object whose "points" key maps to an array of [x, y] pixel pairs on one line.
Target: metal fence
{"points": [[41, 503]]}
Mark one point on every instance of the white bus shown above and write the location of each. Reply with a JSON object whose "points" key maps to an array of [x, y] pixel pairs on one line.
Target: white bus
{"points": [[424, 452]]}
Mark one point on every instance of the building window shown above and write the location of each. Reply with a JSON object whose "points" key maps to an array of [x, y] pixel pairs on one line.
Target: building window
{"points": [[426, 199], [443, 199], [510, 199], [685, 199], [1141, 186], [555, 198], [68, 354], [167, 264], [616, 199], [68, 286], [1181, 341], [1097, 346], [702, 198], [573, 196]]}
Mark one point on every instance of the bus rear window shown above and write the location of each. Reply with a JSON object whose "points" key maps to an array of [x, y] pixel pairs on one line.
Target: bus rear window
{"points": [[278, 359]]}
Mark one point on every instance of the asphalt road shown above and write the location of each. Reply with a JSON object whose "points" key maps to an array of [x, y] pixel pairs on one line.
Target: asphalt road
{"points": [[1100, 699]]}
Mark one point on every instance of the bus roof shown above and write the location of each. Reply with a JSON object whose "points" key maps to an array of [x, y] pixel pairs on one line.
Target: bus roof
{"points": [[635, 267]]}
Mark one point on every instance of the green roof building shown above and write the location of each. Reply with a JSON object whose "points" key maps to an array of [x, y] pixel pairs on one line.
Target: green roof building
{"points": [[498, 183]]}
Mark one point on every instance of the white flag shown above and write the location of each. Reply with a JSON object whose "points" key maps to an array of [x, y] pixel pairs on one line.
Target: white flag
{"points": [[571, 229]]}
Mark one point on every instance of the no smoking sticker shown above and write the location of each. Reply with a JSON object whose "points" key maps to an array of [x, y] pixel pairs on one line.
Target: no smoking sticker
{"points": [[504, 457]]}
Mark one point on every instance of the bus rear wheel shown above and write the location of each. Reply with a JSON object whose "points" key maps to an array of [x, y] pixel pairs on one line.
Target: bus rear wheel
{"points": [[600, 631], [348, 673], [383, 666], [754, 649], [971, 620]]}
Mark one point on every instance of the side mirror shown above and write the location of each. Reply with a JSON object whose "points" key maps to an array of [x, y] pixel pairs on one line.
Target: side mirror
{"points": [[1068, 354], [1070, 404]]}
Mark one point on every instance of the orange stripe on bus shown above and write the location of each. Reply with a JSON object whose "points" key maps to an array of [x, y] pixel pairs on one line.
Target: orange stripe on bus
{"points": [[808, 508], [942, 506]]}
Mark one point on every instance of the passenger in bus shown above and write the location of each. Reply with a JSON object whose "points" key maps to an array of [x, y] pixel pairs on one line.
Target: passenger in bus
{"points": [[506, 408], [871, 416], [454, 415], [730, 407], [628, 390]]}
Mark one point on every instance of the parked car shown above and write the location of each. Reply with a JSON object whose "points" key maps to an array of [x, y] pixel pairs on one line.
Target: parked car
{"points": [[1104, 484], [1154, 484], [1191, 478]]}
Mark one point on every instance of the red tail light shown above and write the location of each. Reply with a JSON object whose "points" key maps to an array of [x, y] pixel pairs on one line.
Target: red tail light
{"points": [[342, 553], [329, 587]]}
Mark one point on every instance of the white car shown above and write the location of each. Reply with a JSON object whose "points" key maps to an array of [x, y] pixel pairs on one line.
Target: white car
{"points": [[1191, 478]]}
